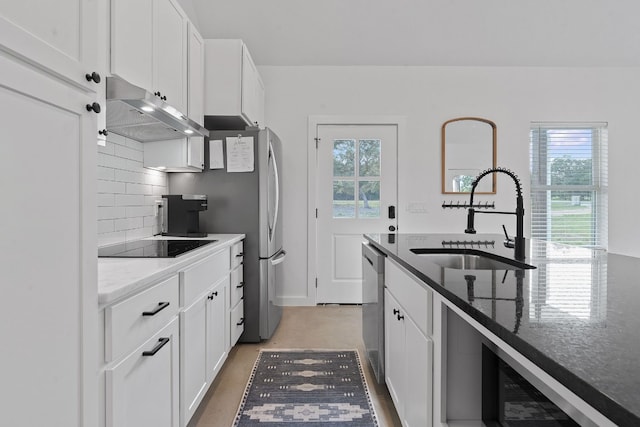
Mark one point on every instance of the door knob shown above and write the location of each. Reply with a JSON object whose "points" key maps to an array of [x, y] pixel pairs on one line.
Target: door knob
{"points": [[392, 228]]}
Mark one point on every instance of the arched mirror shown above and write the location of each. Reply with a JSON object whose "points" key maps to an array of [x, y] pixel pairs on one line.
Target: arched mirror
{"points": [[468, 148]]}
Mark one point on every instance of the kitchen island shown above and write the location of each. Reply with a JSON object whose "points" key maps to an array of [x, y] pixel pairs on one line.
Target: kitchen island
{"points": [[575, 316]]}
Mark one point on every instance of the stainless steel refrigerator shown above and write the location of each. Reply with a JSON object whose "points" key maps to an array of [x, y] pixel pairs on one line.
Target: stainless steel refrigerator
{"points": [[248, 202]]}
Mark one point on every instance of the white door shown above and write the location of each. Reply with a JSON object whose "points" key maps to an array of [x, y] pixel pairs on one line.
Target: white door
{"points": [[356, 194]]}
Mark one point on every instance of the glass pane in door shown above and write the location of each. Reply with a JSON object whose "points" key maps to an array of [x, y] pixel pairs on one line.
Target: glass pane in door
{"points": [[344, 157], [368, 199], [369, 157], [344, 199]]}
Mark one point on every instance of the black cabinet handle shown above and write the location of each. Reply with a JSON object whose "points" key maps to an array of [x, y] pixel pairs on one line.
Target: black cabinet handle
{"points": [[154, 350], [103, 132], [241, 321], [164, 98], [95, 107], [157, 93], [161, 306], [239, 254], [213, 294], [400, 317], [241, 285], [396, 311], [93, 76]]}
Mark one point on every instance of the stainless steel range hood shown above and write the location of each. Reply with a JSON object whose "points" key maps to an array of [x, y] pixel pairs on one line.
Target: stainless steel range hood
{"points": [[137, 114]]}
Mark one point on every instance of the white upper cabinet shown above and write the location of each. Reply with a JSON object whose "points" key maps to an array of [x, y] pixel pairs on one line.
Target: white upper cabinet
{"points": [[170, 53], [175, 155], [59, 36], [196, 75], [149, 47], [233, 88]]}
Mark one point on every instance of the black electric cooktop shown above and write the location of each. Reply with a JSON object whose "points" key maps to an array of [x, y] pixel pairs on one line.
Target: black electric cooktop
{"points": [[151, 248]]}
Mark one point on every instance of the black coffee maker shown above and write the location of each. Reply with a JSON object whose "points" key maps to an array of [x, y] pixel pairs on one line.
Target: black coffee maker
{"points": [[181, 214]]}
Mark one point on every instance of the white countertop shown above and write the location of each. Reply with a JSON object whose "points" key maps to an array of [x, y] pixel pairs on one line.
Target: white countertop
{"points": [[119, 277]]}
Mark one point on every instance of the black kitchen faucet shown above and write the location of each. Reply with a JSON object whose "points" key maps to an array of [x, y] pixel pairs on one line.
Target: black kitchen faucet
{"points": [[518, 243]]}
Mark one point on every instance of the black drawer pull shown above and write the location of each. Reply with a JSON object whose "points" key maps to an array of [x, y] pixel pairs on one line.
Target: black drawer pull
{"points": [[241, 321], [396, 311], [400, 317], [161, 306], [241, 285], [161, 343], [239, 254]]}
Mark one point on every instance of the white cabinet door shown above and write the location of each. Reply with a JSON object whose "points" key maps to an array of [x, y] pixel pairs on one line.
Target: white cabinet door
{"points": [[394, 351], [132, 45], [232, 84], [196, 76], [170, 53], [148, 47], [252, 90], [175, 155], [195, 153], [60, 36], [49, 294], [217, 328], [419, 377], [193, 364], [142, 390]]}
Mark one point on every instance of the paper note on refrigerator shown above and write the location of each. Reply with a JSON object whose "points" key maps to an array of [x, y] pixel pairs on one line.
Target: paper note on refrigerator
{"points": [[240, 154], [216, 154]]}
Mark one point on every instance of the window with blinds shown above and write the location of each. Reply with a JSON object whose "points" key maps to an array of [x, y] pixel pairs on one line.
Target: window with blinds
{"points": [[569, 183]]}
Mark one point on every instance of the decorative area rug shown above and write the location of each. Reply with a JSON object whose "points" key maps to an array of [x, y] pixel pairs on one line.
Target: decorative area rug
{"points": [[304, 388]]}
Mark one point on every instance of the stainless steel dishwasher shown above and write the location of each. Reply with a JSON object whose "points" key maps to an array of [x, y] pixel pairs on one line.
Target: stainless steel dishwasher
{"points": [[373, 308]]}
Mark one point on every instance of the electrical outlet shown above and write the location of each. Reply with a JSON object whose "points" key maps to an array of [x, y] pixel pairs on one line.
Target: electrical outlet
{"points": [[417, 207]]}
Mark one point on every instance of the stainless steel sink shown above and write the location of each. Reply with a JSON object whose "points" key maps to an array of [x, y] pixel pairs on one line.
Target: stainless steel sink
{"points": [[467, 261]]}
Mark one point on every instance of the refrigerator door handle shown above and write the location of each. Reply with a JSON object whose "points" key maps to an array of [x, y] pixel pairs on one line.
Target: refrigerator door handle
{"points": [[275, 172], [279, 258]]}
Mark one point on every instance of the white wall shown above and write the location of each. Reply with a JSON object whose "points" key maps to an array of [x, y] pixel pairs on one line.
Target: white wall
{"points": [[126, 192], [512, 97]]}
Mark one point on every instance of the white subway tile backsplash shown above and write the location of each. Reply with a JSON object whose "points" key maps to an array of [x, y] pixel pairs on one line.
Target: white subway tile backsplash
{"points": [[145, 189], [139, 233], [105, 212], [130, 200], [107, 174], [112, 187], [106, 199], [128, 224], [106, 226], [128, 153], [108, 148], [135, 144], [128, 176], [134, 211], [113, 161], [111, 238], [127, 192], [116, 139]]}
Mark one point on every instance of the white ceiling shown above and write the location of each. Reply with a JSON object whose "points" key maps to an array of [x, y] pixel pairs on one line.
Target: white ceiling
{"points": [[427, 32]]}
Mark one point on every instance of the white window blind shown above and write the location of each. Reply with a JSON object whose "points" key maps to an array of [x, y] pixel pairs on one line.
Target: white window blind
{"points": [[569, 183]]}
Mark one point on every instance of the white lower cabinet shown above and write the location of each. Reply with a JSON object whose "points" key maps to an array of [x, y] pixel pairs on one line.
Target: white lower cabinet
{"points": [[142, 389], [217, 329], [203, 328], [408, 348], [164, 345]]}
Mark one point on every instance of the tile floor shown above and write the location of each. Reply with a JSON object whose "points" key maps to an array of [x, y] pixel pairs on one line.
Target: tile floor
{"points": [[321, 327]]}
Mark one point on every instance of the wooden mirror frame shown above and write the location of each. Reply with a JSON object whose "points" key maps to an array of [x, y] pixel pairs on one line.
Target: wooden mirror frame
{"points": [[493, 158]]}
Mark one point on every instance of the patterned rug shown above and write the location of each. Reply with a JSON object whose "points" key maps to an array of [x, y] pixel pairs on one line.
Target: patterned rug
{"points": [[305, 388]]}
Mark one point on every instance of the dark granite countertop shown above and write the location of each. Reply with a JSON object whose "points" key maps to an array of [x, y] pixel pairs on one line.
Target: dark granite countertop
{"points": [[576, 316]]}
